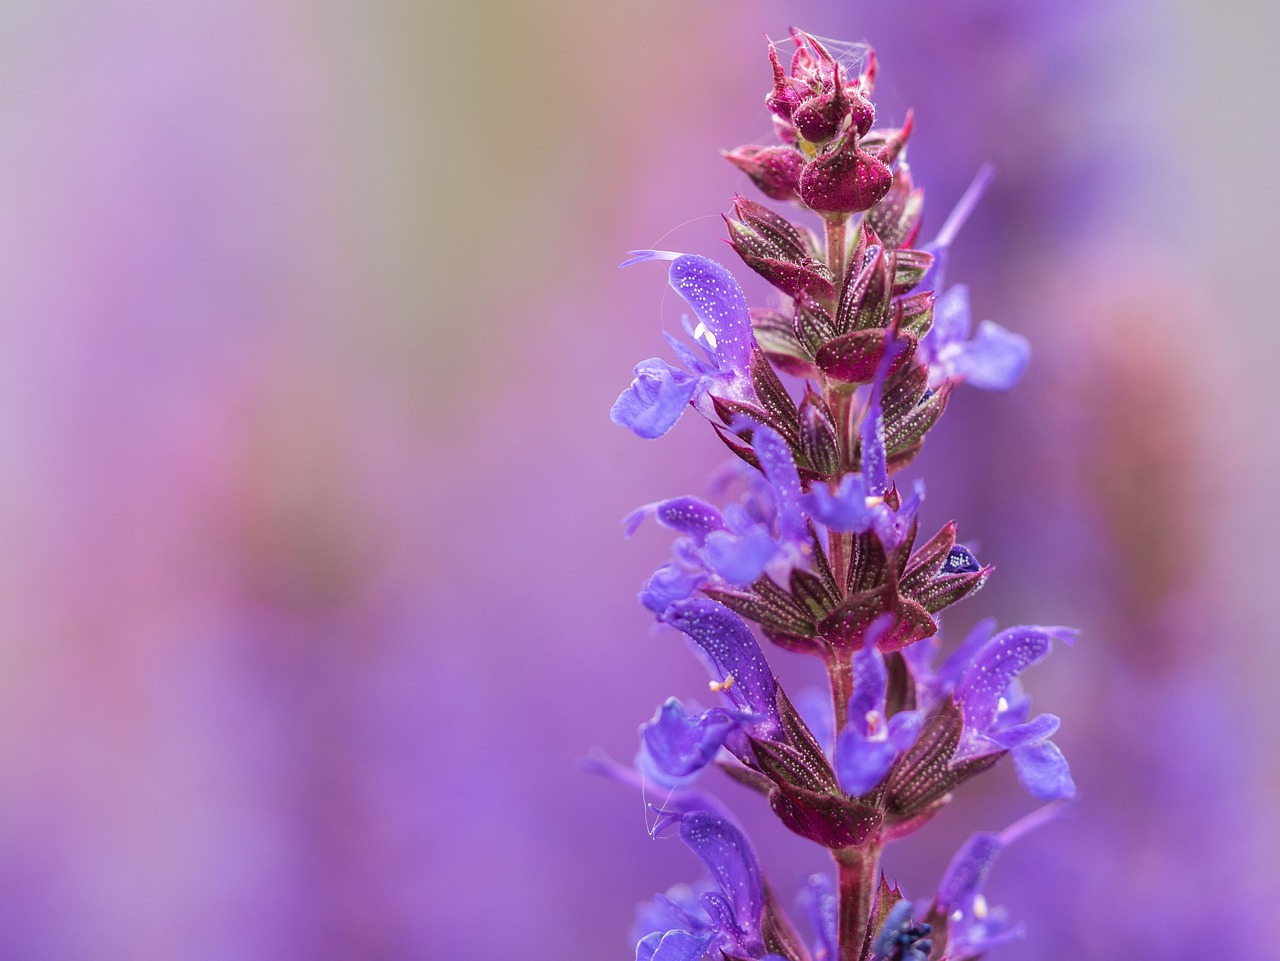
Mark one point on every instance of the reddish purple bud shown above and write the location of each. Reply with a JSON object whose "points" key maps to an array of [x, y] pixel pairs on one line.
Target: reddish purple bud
{"points": [[784, 98], [792, 241], [818, 118], [775, 170], [844, 179], [802, 63], [819, 442], [862, 111]]}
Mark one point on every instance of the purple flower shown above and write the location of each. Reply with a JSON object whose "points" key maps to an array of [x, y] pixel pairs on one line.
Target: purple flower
{"points": [[871, 741], [995, 710], [851, 507], [765, 533], [658, 395], [726, 919], [992, 359], [821, 903], [655, 400], [733, 656], [676, 745], [972, 927]]}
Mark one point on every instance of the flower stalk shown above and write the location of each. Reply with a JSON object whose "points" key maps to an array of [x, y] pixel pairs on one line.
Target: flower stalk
{"points": [[822, 404]]}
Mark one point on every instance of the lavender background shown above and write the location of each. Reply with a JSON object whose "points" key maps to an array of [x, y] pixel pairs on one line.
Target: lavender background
{"points": [[313, 591]]}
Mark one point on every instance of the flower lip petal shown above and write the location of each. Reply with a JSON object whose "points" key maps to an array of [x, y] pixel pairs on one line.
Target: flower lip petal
{"points": [[968, 871], [679, 745], [860, 762], [1044, 726], [740, 558], [655, 400], [995, 359], [674, 945], [1043, 771], [668, 584], [845, 508]]}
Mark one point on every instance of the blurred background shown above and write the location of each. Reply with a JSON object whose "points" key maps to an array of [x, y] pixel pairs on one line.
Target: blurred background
{"points": [[313, 591]]}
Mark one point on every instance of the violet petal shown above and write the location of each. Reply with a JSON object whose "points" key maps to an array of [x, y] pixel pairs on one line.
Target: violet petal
{"points": [[717, 300], [968, 871], [862, 763], [655, 400], [730, 649], [994, 359], [1017, 735], [679, 745], [1043, 771]]}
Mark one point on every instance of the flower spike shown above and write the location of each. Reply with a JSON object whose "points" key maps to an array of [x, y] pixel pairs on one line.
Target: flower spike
{"points": [[824, 398]]}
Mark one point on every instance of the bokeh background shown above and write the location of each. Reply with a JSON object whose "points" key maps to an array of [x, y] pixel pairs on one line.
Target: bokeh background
{"points": [[312, 586]]}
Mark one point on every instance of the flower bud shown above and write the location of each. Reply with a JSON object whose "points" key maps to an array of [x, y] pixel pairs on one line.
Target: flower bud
{"points": [[844, 179], [775, 170], [784, 98]]}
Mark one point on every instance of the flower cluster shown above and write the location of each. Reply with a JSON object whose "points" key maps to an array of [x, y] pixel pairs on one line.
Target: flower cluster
{"points": [[823, 552]]}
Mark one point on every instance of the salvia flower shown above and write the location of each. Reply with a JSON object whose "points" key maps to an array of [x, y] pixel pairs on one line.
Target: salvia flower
{"points": [[658, 395], [823, 399], [728, 918], [677, 745], [995, 714], [991, 359], [764, 534], [871, 740]]}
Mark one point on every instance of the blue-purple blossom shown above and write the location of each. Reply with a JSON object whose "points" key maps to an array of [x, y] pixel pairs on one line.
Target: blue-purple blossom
{"points": [[973, 928], [765, 533], [821, 904], [727, 918], [995, 711], [993, 358], [655, 400], [871, 741], [677, 745], [852, 508], [658, 395], [733, 657]]}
